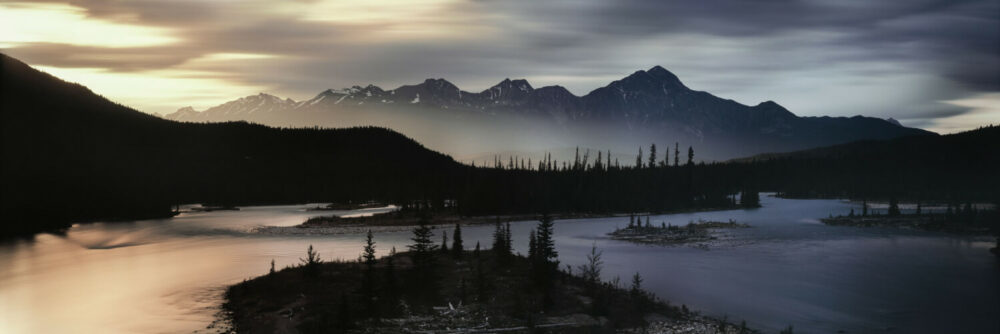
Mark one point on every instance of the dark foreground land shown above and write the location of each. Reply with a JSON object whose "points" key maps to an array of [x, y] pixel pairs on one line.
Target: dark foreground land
{"points": [[474, 292]]}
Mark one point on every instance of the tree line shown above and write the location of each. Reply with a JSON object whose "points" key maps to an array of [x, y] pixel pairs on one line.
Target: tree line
{"points": [[70, 155], [496, 282]]}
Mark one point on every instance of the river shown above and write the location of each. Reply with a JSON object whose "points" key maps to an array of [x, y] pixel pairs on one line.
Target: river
{"points": [[167, 276]]}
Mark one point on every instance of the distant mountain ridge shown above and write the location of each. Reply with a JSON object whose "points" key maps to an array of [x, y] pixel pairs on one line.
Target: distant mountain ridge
{"points": [[642, 96], [647, 104], [70, 155]]}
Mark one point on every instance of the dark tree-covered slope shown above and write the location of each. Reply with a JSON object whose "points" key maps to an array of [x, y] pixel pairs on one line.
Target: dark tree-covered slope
{"points": [[70, 155], [958, 167]]}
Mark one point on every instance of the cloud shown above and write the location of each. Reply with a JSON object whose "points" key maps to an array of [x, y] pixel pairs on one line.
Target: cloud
{"points": [[983, 109], [837, 57]]}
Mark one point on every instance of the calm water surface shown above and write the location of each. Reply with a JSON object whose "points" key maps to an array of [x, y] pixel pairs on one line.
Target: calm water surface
{"points": [[167, 276]]}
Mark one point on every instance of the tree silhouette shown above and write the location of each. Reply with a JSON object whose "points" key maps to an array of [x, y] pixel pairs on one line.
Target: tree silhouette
{"points": [[368, 281], [444, 242], [545, 245], [591, 271], [311, 261], [677, 154], [422, 254], [456, 247], [893, 207], [638, 159], [532, 246], [652, 155], [690, 156]]}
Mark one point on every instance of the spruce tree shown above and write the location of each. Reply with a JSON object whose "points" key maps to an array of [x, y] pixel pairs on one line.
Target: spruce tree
{"points": [[422, 254], [368, 282], [652, 155], [677, 154], [456, 244], [591, 271], [508, 244], [576, 160], [532, 249], [636, 290], [638, 159], [544, 261], [422, 247], [498, 238], [545, 246], [893, 207], [444, 242], [311, 262], [369, 250]]}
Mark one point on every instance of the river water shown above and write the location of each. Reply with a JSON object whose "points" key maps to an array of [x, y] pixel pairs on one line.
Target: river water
{"points": [[167, 276]]}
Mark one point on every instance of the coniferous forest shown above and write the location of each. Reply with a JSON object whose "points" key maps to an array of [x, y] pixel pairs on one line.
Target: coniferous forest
{"points": [[72, 155], [515, 167]]}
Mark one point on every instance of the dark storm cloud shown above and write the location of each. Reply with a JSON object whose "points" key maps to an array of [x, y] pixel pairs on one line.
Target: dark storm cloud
{"points": [[755, 50], [960, 37], [120, 59]]}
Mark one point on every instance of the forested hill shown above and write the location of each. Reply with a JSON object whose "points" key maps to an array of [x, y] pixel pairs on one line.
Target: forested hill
{"points": [[71, 155], [958, 167]]}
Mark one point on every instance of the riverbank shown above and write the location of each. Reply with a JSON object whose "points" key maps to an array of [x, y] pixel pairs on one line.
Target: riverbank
{"points": [[397, 221], [476, 292], [934, 223], [347, 206]]}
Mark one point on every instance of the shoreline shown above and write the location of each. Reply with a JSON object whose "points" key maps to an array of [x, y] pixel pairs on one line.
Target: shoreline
{"points": [[911, 222], [334, 225], [674, 235], [475, 292]]}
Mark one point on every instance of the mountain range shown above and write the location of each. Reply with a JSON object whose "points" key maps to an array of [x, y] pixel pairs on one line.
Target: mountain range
{"points": [[651, 106], [69, 155]]}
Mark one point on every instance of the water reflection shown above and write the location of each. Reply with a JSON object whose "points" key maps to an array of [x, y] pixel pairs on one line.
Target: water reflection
{"points": [[167, 275]]}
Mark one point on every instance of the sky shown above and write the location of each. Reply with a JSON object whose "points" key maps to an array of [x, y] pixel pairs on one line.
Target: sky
{"points": [[933, 64]]}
